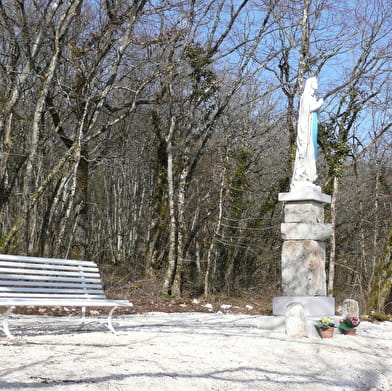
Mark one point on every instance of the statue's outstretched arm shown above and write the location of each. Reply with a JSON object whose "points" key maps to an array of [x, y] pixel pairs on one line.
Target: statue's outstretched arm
{"points": [[316, 104]]}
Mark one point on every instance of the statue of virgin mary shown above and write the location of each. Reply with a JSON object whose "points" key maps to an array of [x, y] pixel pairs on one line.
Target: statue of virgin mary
{"points": [[304, 173]]}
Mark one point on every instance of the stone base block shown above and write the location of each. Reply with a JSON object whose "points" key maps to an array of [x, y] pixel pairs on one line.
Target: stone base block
{"points": [[303, 268], [314, 306], [304, 212], [306, 194], [305, 231]]}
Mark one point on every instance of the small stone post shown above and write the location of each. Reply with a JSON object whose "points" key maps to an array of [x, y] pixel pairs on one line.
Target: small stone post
{"points": [[350, 308], [295, 321]]}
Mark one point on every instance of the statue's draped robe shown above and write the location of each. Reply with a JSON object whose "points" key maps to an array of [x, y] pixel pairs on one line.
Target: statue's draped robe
{"points": [[314, 132], [306, 153]]}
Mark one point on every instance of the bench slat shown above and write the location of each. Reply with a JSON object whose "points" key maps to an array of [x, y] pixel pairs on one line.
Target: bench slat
{"points": [[17, 258], [11, 277], [67, 303], [18, 295], [51, 284], [48, 272], [81, 290], [49, 267]]}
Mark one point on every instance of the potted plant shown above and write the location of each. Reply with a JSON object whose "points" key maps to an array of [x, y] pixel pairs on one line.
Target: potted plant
{"points": [[325, 327], [348, 325]]}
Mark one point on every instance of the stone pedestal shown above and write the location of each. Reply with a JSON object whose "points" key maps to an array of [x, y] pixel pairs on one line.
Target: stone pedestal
{"points": [[304, 234], [314, 306], [303, 268]]}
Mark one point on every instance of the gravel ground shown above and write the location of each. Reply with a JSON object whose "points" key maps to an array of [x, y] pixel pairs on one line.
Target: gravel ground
{"points": [[188, 352]]}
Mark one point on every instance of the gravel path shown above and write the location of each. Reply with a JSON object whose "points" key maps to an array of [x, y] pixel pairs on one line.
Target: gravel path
{"points": [[189, 352]]}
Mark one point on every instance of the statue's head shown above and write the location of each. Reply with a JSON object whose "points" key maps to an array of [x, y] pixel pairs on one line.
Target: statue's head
{"points": [[311, 83]]}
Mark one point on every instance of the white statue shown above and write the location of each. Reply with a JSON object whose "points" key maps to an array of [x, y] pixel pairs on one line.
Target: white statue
{"points": [[304, 173]]}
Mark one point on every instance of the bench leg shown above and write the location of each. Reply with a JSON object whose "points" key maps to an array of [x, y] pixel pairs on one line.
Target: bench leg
{"points": [[5, 322], [109, 324]]}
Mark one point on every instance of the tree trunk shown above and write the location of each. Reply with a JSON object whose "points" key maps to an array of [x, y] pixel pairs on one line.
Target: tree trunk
{"points": [[80, 202], [382, 285], [34, 138], [332, 254], [177, 284], [172, 258], [159, 208], [210, 268], [376, 226]]}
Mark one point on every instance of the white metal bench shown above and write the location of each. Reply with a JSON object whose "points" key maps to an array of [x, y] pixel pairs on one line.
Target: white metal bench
{"points": [[33, 281]]}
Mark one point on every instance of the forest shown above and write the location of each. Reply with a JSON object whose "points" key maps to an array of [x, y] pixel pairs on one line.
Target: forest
{"points": [[153, 137]]}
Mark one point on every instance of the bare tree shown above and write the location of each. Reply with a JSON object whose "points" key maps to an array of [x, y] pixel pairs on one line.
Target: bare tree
{"points": [[155, 136]]}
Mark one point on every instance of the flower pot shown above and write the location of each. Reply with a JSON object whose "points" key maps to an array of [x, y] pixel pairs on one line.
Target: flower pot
{"points": [[326, 333], [349, 332]]}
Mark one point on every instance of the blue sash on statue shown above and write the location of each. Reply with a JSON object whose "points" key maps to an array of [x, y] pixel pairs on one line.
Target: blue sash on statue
{"points": [[314, 132]]}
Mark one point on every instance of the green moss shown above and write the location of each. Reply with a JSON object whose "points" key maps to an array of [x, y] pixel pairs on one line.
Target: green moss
{"points": [[203, 78], [381, 317], [382, 284]]}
